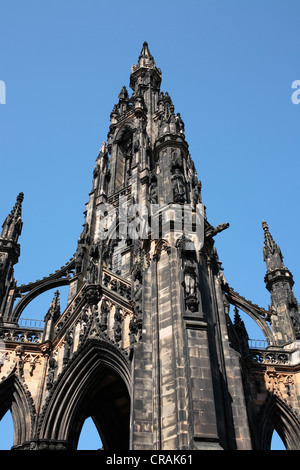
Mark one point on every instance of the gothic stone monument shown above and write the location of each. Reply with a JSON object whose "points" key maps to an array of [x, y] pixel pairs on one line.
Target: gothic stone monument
{"points": [[145, 345]]}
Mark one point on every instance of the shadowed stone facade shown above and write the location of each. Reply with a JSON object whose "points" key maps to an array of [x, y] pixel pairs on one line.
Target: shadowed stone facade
{"points": [[146, 346]]}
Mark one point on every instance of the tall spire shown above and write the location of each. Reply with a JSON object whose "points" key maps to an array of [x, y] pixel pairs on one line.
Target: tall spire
{"points": [[145, 72], [272, 253], [285, 320], [9, 255], [12, 226]]}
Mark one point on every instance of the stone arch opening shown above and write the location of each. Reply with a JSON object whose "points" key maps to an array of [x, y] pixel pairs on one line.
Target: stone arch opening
{"points": [[96, 385], [107, 403], [125, 152], [14, 398], [278, 416]]}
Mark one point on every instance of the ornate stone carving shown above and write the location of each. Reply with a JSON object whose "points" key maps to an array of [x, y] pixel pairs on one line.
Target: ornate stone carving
{"points": [[51, 373], [93, 266], [211, 231], [93, 294]]}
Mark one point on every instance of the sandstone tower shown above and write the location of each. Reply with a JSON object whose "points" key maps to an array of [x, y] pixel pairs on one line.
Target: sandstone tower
{"points": [[146, 346]]}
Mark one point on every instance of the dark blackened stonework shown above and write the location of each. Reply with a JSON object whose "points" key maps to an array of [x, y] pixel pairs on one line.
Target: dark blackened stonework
{"points": [[145, 345]]}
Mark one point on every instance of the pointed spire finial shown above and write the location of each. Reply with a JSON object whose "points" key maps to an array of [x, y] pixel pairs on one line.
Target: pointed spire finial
{"points": [[54, 309], [12, 226], [123, 95], [145, 57], [272, 253], [138, 77]]}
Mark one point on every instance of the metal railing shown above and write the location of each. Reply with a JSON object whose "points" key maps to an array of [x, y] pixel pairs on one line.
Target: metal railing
{"points": [[258, 343], [31, 323]]}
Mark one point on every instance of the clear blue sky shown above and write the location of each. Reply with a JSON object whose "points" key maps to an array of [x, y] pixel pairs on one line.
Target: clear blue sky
{"points": [[228, 66]]}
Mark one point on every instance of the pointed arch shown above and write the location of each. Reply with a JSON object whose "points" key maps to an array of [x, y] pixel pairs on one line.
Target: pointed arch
{"points": [[96, 384], [277, 415], [124, 154], [125, 132], [14, 397], [160, 246]]}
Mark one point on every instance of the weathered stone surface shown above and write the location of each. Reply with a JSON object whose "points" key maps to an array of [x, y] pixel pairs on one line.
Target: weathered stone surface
{"points": [[146, 345]]}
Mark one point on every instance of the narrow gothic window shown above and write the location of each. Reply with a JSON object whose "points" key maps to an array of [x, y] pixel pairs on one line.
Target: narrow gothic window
{"points": [[124, 157]]}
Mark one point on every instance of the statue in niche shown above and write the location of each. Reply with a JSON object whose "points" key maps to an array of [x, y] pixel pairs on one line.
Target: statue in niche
{"points": [[51, 373], [189, 283], [187, 254], [197, 186], [141, 263], [93, 264], [138, 297], [176, 160], [190, 286], [83, 322], [79, 258], [153, 189], [104, 315], [133, 330], [84, 240], [68, 345], [117, 324], [178, 187]]}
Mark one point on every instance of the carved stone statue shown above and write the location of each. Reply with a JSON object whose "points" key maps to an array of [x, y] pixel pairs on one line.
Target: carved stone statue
{"points": [[153, 190], [118, 324], [176, 160], [51, 373], [138, 296], [104, 315], [190, 283], [178, 187], [93, 264]]}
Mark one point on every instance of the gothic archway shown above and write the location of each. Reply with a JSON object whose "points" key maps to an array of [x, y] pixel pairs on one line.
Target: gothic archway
{"points": [[14, 397], [277, 415], [95, 385]]}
